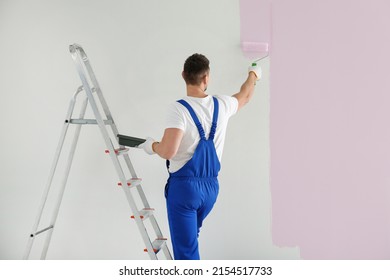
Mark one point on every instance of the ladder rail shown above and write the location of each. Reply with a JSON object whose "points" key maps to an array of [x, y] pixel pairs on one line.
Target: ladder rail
{"points": [[134, 175], [51, 174], [143, 196], [145, 202], [64, 181], [77, 49]]}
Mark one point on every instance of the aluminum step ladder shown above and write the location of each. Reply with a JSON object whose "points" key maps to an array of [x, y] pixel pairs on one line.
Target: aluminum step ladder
{"points": [[154, 243]]}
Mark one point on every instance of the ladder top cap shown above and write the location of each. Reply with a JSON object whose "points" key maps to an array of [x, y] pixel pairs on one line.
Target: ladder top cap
{"points": [[74, 47]]}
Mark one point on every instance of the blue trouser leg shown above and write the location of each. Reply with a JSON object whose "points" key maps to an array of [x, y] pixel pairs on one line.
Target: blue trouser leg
{"points": [[210, 193], [183, 229], [188, 204]]}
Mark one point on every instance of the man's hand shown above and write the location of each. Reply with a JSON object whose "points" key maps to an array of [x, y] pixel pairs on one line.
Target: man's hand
{"points": [[148, 146], [255, 68]]}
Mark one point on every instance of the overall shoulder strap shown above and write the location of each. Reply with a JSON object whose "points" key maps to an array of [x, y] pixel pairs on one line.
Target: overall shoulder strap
{"points": [[215, 118], [194, 117]]}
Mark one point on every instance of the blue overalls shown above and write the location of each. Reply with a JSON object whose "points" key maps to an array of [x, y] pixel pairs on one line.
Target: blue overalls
{"points": [[192, 191]]}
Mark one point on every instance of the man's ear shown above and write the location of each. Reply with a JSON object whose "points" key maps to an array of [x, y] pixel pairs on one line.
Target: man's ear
{"points": [[206, 78]]}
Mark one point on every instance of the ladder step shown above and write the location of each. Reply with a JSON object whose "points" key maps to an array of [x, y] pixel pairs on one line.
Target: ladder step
{"points": [[119, 151], [88, 121], [144, 213], [157, 244], [132, 182]]}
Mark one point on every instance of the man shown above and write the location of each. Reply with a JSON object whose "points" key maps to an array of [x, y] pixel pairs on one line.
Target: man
{"points": [[192, 144]]}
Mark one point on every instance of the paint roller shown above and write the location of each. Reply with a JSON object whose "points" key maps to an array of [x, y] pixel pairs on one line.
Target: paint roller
{"points": [[255, 49], [255, 26]]}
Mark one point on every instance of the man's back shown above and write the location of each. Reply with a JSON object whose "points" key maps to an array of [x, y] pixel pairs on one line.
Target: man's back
{"points": [[179, 117]]}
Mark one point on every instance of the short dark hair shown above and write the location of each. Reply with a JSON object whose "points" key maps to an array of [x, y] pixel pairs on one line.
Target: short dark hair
{"points": [[195, 68]]}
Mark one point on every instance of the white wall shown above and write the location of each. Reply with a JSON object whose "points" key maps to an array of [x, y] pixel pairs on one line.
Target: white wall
{"points": [[137, 49]]}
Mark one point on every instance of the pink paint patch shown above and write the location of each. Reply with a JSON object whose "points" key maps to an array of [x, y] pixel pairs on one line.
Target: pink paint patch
{"points": [[330, 132]]}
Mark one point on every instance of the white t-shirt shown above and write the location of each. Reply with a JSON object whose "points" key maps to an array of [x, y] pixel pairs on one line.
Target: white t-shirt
{"points": [[179, 117]]}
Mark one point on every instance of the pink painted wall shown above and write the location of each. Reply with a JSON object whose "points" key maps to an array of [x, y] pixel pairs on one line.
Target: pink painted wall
{"points": [[330, 126]]}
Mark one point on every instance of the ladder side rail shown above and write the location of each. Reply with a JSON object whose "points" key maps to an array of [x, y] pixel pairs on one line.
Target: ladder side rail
{"points": [[156, 227], [51, 174], [145, 237], [159, 235], [130, 199], [113, 156], [134, 209], [166, 252], [130, 166], [145, 202], [64, 181], [99, 119], [85, 61], [79, 61], [143, 197], [134, 175]]}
